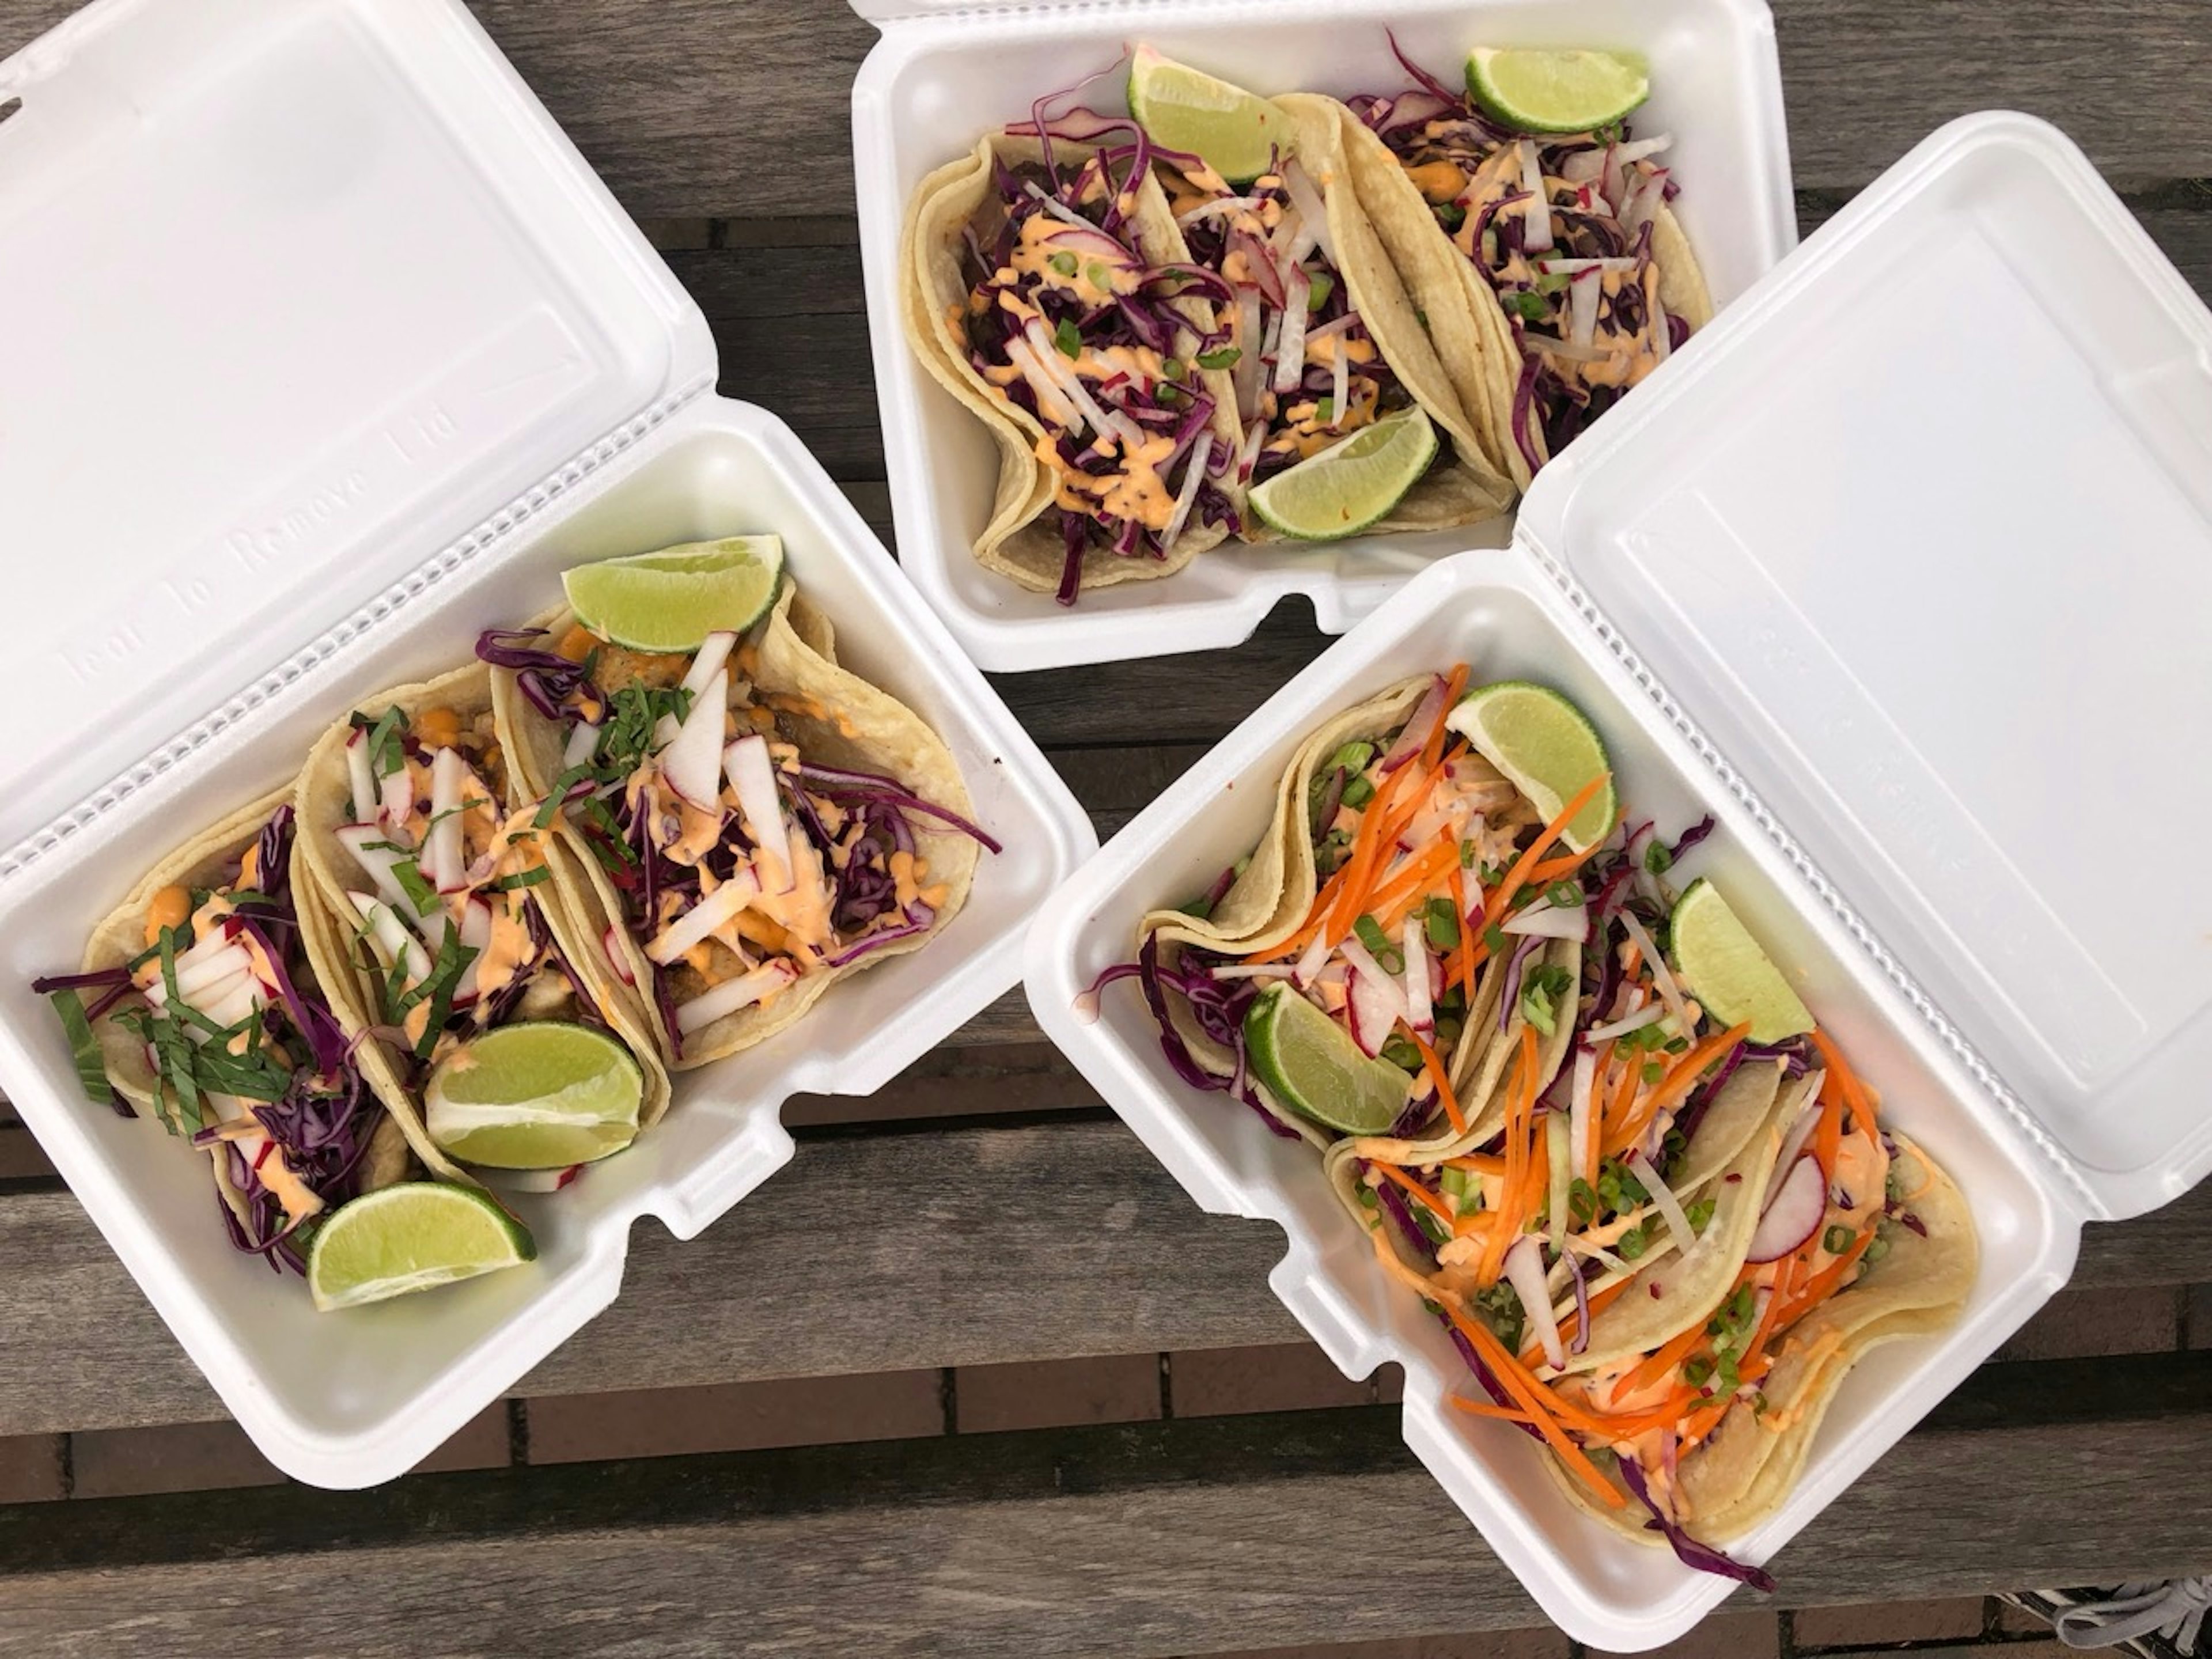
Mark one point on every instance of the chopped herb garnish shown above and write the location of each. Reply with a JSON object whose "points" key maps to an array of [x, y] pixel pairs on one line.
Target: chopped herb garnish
{"points": [[1565, 894], [1466, 855], [1658, 859], [417, 885], [1068, 338], [1063, 263], [1442, 923], [1533, 308], [1359, 792], [84, 1047], [1698, 1214], [1225, 358], [1836, 1240], [1698, 1370], [523, 878], [1371, 934], [387, 751], [1173, 368], [1493, 939], [1321, 285]]}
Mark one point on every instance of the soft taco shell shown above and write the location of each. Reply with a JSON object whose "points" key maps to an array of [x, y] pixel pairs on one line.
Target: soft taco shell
{"points": [[208, 861], [1021, 540], [1748, 1469], [326, 804], [1466, 489], [858, 726]]}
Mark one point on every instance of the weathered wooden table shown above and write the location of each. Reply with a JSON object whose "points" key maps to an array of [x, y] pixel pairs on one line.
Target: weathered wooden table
{"points": [[988, 1209]]}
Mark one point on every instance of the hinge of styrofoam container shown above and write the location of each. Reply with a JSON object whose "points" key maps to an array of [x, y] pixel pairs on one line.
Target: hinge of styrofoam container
{"points": [[1985, 1075], [489, 533]]}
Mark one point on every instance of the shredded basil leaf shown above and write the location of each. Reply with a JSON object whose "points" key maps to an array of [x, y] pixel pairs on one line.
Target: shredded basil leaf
{"points": [[84, 1047]]}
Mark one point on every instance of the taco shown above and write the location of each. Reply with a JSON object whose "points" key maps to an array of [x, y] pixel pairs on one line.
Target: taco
{"points": [[1305, 274], [1551, 271], [1658, 1244], [449, 924], [738, 827], [1894, 1256], [201, 1001], [1041, 288]]}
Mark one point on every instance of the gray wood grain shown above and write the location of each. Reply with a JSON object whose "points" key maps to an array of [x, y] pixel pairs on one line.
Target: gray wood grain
{"points": [[1051, 1241], [1159, 1539], [696, 107]]}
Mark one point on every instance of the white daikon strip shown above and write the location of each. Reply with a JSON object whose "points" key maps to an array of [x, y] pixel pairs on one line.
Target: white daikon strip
{"points": [[693, 763], [733, 994], [1339, 393], [709, 661], [1524, 1271], [752, 776], [583, 742], [392, 942], [1313, 212], [1550, 922], [1051, 400], [1669, 992], [1586, 289], [1536, 213], [366, 796], [443, 864], [1291, 348], [1194, 476], [1663, 1195], [476, 934], [1650, 1014], [1420, 1012], [1579, 1107], [1246, 370], [704, 919], [373, 849]]}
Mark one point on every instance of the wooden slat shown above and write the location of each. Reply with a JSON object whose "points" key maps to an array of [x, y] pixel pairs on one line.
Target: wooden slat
{"points": [[692, 107], [1159, 1539], [1035, 1243]]}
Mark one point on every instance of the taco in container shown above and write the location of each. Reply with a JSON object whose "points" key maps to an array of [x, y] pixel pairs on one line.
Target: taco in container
{"points": [[424, 846], [1045, 288], [1550, 268], [1659, 1236], [202, 1001], [738, 825], [1305, 274]]}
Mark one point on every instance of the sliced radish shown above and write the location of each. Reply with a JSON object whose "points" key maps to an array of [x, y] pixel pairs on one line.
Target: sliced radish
{"points": [[618, 958], [1419, 726], [1312, 963], [476, 934], [1795, 1215], [1378, 1000], [1524, 1271], [207, 992], [201, 972], [732, 994], [238, 998], [397, 795], [445, 866], [1584, 290], [1420, 1014], [752, 776], [366, 799], [1291, 347], [703, 919], [394, 943], [374, 851], [693, 763]]}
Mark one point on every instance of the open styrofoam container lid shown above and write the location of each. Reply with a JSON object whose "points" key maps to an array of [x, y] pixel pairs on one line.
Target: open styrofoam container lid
{"points": [[296, 290], [1918, 536]]}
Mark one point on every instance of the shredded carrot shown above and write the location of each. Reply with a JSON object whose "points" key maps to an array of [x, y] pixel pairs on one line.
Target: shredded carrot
{"points": [[1533, 1398], [1587, 1154], [1680, 1079], [1395, 899], [1434, 748], [1392, 1172], [1659, 1364], [1824, 1284], [1489, 1409], [1551, 870], [1435, 1068], [1478, 1162], [1465, 957], [1855, 1092], [1518, 875], [1512, 1206]]}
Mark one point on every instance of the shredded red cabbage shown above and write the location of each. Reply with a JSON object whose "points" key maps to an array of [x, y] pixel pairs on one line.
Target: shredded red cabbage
{"points": [[1703, 1557]]}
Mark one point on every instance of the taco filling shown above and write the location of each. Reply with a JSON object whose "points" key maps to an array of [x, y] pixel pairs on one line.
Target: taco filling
{"points": [[1573, 235], [444, 893], [1068, 320], [1306, 371], [1631, 1217], [212, 1017], [740, 868]]}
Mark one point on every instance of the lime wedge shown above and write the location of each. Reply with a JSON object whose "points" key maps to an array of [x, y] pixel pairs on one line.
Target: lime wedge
{"points": [[1546, 748], [1232, 131], [1352, 484], [1727, 971], [414, 1236], [1566, 91], [537, 1095], [672, 599], [1311, 1065]]}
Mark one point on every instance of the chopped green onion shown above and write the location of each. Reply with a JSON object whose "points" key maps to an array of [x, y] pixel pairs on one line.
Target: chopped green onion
{"points": [[1533, 308], [1068, 338], [1225, 358], [1836, 1240], [1321, 287], [1658, 858], [1442, 923], [1063, 263], [1371, 934], [1359, 792]]}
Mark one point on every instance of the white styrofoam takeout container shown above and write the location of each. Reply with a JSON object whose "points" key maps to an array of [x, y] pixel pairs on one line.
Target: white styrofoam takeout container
{"points": [[1904, 577], [326, 351], [941, 77]]}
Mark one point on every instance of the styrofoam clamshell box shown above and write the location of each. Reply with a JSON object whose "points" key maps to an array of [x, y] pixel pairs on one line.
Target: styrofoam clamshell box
{"points": [[325, 351], [1903, 575], [944, 75]]}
